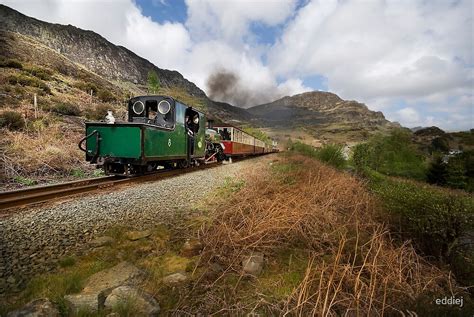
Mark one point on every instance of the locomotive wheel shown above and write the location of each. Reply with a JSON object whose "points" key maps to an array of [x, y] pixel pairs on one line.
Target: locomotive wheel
{"points": [[183, 164]]}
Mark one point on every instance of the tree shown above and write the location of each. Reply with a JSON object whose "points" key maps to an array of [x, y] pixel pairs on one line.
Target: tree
{"points": [[153, 82]]}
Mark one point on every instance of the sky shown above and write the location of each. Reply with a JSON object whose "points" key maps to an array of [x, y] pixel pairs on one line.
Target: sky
{"points": [[412, 60]]}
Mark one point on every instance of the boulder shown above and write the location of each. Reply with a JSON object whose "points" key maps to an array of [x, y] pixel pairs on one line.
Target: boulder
{"points": [[138, 235], [37, 308], [143, 303], [101, 241], [253, 263], [99, 285], [175, 279]]}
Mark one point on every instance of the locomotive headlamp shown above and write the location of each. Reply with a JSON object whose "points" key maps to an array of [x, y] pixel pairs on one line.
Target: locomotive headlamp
{"points": [[164, 107], [138, 107]]}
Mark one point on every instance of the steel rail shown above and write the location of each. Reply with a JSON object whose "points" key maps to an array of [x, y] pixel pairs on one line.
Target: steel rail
{"points": [[41, 194]]}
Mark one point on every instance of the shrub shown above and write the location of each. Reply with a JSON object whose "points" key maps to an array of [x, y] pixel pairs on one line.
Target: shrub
{"points": [[329, 153], [394, 154], [25, 80], [66, 109], [105, 95], [12, 120], [98, 113], [86, 87], [434, 218], [11, 63], [42, 73]]}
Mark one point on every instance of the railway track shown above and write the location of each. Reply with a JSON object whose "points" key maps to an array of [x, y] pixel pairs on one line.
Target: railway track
{"points": [[30, 196]]}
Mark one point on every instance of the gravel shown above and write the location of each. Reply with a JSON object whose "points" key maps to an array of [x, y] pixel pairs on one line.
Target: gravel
{"points": [[31, 242]]}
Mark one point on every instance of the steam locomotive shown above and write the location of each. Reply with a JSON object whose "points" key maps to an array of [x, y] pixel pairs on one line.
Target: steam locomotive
{"points": [[162, 131]]}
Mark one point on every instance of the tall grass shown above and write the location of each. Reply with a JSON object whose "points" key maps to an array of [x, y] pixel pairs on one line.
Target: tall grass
{"points": [[328, 153], [352, 265]]}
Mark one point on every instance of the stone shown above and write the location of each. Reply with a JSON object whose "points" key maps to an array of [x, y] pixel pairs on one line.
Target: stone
{"points": [[37, 308], [143, 303], [11, 280], [99, 285], [83, 301], [253, 263], [138, 235], [191, 247], [101, 241], [175, 279]]}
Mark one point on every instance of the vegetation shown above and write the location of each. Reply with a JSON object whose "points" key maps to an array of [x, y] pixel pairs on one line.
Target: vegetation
{"points": [[455, 171], [394, 154], [12, 120], [26, 80], [153, 82], [435, 219], [329, 153], [66, 108], [10, 63]]}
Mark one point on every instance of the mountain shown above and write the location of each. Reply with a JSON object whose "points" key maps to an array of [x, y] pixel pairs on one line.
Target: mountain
{"points": [[322, 114], [63, 64], [103, 60]]}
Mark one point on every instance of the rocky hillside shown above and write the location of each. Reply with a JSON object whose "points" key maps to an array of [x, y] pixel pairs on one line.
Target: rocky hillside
{"points": [[115, 64], [324, 114]]}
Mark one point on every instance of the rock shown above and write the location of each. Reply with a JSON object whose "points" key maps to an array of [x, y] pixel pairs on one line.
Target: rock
{"points": [[11, 280], [101, 241], [143, 303], [175, 279], [99, 285], [191, 247], [137, 235], [36, 308], [253, 264], [83, 301]]}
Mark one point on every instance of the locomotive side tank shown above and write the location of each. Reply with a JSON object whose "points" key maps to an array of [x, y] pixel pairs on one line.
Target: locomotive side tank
{"points": [[159, 131]]}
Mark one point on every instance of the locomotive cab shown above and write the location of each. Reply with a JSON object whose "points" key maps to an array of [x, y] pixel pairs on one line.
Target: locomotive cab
{"points": [[153, 110]]}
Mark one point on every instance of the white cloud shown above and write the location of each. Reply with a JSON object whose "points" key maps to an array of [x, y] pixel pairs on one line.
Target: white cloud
{"points": [[385, 53]]}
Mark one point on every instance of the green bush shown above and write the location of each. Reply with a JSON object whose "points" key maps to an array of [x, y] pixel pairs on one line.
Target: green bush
{"points": [[435, 219], [66, 109], [457, 172], [86, 87], [10, 63], [329, 153], [12, 120], [42, 73], [394, 154], [105, 95], [25, 80]]}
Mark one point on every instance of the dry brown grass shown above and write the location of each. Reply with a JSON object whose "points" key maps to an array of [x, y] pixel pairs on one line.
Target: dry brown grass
{"points": [[46, 147], [353, 267]]}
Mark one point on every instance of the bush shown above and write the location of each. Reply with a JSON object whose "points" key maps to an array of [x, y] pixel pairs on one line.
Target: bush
{"points": [[105, 95], [394, 154], [10, 63], [98, 113], [66, 109], [329, 153], [12, 120], [42, 73], [434, 218], [25, 80], [86, 87]]}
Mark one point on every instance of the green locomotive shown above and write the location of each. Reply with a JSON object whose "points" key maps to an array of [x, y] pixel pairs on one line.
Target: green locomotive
{"points": [[160, 131]]}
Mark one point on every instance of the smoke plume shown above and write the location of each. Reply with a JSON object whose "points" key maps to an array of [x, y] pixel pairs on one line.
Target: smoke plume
{"points": [[226, 86]]}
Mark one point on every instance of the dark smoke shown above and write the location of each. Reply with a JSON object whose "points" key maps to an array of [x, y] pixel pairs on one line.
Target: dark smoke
{"points": [[226, 86]]}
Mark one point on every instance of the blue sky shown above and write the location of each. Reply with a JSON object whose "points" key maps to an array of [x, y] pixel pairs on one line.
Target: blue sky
{"points": [[412, 60]]}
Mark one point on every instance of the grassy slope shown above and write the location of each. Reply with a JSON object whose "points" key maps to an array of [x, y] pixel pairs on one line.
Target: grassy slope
{"points": [[46, 148]]}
